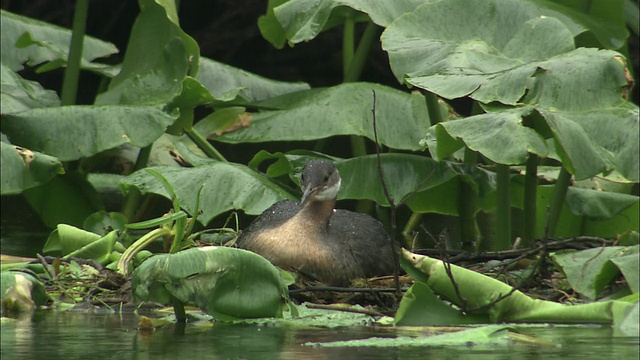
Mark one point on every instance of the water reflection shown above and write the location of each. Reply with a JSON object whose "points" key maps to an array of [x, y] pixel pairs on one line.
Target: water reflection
{"points": [[69, 335]]}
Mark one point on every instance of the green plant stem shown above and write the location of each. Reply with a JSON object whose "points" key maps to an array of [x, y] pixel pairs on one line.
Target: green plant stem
{"points": [[467, 208], [178, 309], [72, 72], [347, 45], [204, 145], [407, 232], [148, 238], [133, 196], [362, 52], [358, 147], [131, 203], [530, 199], [503, 211], [557, 200], [433, 108]]}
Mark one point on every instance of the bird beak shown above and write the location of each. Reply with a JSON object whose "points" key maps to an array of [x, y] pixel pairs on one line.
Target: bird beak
{"points": [[307, 194]]}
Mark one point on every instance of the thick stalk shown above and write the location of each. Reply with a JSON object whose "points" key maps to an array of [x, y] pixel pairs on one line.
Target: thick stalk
{"points": [[354, 68], [204, 145], [133, 196], [557, 200], [530, 189], [503, 211], [433, 108], [178, 310], [407, 232], [467, 208], [435, 116], [347, 45], [72, 72]]}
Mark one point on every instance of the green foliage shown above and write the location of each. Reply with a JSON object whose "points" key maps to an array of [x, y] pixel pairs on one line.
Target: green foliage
{"points": [[225, 282], [479, 295], [589, 271]]}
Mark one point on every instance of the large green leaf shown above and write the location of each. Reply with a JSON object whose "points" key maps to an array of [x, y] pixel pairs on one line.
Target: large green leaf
{"points": [[499, 136], [34, 42], [456, 48], [226, 83], [340, 110], [72, 132], [158, 58], [589, 271], [626, 222], [18, 94], [225, 282], [597, 205], [226, 187], [580, 80], [302, 20], [404, 174], [68, 198], [590, 142], [605, 19], [23, 169]]}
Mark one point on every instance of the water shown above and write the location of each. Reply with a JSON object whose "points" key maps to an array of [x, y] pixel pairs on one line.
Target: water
{"points": [[69, 335]]}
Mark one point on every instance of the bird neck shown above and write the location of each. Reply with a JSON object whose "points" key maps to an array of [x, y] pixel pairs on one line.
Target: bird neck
{"points": [[317, 213]]}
